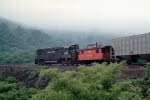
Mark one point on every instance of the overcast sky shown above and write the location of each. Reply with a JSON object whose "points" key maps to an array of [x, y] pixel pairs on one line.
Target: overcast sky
{"points": [[120, 16]]}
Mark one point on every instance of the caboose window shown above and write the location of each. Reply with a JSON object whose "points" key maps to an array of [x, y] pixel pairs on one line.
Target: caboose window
{"points": [[56, 50], [82, 52], [97, 51], [66, 51]]}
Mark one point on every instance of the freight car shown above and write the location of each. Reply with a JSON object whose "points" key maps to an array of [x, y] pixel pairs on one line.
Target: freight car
{"points": [[132, 48], [62, 55]]}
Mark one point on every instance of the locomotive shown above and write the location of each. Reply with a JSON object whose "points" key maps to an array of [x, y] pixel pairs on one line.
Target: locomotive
{"points": [[73, 55], [63, 55]]}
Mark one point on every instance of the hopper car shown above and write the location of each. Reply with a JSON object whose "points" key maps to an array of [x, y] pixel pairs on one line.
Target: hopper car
{"points": [[132, 48]]}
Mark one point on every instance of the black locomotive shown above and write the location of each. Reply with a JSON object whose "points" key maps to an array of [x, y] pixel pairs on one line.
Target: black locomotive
{"points": [[62, 55]]}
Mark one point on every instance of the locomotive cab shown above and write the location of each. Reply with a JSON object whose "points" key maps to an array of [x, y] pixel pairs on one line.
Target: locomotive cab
{"points": [[73, 50]]}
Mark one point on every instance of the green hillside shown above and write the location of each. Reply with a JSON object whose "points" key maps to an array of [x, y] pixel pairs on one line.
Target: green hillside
{"points": [[18, 44], [22, 38]]}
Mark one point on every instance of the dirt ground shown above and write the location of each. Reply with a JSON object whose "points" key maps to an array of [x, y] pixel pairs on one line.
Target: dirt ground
{"points": [[16, 67], [133, 72]]}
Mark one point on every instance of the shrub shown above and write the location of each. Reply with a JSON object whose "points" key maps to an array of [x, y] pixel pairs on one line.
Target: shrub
{"points": [[98, 82], [11, 89]]}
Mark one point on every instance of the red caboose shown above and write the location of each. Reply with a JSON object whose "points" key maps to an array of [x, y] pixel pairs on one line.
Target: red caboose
{"points": [[95, 53]]}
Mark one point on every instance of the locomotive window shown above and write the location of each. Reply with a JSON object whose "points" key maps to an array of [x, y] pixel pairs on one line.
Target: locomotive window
{"points": [[72, 48], [82, 52], [97, 51], [56, 50], [66, 50]]}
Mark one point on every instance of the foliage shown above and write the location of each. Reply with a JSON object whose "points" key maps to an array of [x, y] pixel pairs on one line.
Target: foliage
{"points": [[17, 57], [144, 83], [11, 89], [33, 72], [98, 82]]}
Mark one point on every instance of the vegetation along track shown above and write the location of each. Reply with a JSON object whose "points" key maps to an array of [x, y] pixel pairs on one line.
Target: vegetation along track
{"points": [[129, 72]]}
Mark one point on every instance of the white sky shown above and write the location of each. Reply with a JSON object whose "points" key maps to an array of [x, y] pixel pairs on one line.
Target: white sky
{"points": [[106, 15]]}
